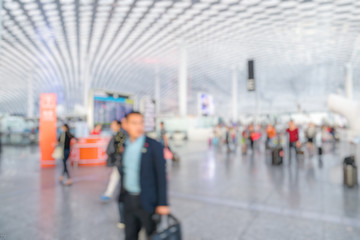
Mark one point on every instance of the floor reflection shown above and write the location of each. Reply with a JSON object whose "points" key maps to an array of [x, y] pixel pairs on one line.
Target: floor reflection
{"points": [[208, 188]]}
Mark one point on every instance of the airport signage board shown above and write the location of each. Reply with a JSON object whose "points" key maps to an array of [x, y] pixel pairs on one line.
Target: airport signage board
{"points": [[251, 85], [251, 76], [148, 109], [47, 128], [105, 106]]}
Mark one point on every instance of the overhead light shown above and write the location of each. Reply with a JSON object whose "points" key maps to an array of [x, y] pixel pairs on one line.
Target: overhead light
{"points": [[144, 3], [164, 3], [30, 6]]}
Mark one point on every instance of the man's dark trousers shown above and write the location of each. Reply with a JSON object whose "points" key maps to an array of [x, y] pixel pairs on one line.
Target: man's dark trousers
{"points": [[136, 217]]}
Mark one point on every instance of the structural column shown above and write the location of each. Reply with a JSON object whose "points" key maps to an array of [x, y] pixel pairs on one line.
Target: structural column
{"points": [[87, 102], [349, 81], [30, 97], [183, 77], [1, 4], [157, 90], [86, 79], [234, 105]]}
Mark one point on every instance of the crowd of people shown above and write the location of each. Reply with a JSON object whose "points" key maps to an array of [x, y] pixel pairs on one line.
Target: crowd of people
{"points": [[252, 136]]}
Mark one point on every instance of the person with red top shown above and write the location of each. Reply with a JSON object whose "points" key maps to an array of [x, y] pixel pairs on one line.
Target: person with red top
{"points": [[97, 130], [293, 132], [251, 136]]}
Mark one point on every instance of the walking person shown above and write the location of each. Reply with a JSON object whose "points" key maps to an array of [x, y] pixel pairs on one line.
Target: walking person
{"points": [[143, 189], [228, 139], [293, 132], [310, 135], [318, 144], [0, 137], [244, 138], [65, 140], [251, 136], [217, 136], [114, 151], [270, 135], [164, 140], [0, 140]]}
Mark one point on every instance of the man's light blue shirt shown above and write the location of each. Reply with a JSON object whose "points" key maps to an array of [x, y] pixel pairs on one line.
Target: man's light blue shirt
{"points": [[131, 164]]}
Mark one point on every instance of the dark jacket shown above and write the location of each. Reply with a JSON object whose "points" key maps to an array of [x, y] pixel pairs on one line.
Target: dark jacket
{"points": [[68, 137], [115, 148], [152, 176]]}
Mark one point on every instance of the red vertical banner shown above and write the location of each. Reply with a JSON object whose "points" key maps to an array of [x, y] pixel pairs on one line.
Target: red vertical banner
{"points": [[47, 128]]}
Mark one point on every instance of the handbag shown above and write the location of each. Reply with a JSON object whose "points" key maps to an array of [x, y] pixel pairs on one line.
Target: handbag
{"points": [[168, 154], [59, 150], [58, 153], [169, 230]]}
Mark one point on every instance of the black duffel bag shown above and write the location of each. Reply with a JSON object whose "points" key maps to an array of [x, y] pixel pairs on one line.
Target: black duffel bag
{"points": [[168, 228]]}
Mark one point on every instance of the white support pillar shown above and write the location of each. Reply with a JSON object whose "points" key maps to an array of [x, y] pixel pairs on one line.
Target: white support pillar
{"points": [[0, 21], [257, 106], [1, 4], [349, 81], [183, 77], [86, 79], [88, 99], [157, 90], [30, 96], [234, 105]]}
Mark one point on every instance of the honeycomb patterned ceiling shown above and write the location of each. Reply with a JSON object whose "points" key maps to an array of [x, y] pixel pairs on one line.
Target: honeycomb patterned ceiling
{"points": [[300, 49]]}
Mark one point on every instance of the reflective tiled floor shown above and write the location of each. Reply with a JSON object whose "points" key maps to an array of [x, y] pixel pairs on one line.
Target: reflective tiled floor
{"points": [[216, 196]]}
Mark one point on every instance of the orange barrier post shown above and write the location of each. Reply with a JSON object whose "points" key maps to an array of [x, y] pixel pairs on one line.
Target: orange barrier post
{"points": [[47, 128]]}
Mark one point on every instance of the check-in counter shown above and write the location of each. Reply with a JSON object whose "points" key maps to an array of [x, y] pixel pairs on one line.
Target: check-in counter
{"points": [[89, 151]]}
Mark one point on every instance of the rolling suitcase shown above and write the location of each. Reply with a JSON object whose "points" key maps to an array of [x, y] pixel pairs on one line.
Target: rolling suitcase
{"points": [[350, 172], [277, 155], [320, 151]]}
